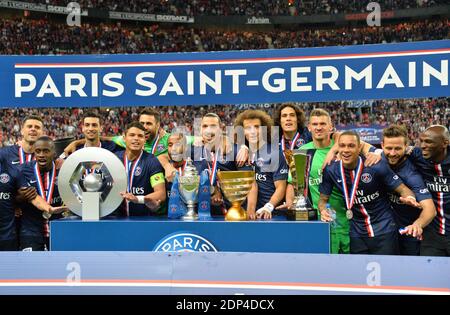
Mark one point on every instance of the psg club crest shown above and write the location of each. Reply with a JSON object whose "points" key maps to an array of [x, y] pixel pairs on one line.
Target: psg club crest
{"points": [[260, 162], [204, 205], [366, 178], [4, 178], [173, 208], [138, 171], [299, 142], [184, 242], [160, 147]]}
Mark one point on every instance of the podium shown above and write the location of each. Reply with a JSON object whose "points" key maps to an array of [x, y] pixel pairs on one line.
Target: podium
{"points": [[161, 234]]}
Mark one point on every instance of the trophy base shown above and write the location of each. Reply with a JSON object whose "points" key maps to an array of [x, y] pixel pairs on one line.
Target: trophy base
{"points": [[190, 217], [236, 213], [295, 215]]}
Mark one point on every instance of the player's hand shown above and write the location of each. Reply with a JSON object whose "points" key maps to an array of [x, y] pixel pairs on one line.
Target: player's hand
{"points": [[414, 230], [331, 156], [171, 177], [410, 201], [57, 210], [216, 198], [264, 213], [242, 156], [409, 150], [161, 132], [325, 216], [152, 204], [251, 214], [129, 196], [372, 159], [72, 147], [58, 163]]}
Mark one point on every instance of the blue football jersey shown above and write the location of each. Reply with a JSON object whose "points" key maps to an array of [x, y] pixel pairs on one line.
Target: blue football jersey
{"points": [[437, 179], [302, 137], [108, 145], [13, 157], [33, 224], [10, 182], [203, 159], [372, 211], [270, 166], [146, 167], [404, 214]]}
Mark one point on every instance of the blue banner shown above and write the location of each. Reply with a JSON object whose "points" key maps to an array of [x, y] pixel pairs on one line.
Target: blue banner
{"points": [[372, 134], [216, 234], [382, 71]]}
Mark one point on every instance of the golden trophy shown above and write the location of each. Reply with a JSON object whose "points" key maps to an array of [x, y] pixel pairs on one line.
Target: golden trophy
{"points": [[236, 185], [301, 207]]}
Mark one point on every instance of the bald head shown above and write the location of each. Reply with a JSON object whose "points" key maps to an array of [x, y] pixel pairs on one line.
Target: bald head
{"points": [[440, 131], [434, 142]]}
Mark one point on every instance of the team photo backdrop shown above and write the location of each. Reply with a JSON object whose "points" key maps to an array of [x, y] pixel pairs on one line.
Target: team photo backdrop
{"points": [[381, 71]]}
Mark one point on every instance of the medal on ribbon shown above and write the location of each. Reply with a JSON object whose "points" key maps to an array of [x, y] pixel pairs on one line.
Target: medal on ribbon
{"points": [[46, 187], [213, 168], [350, 198], [130, 168]]}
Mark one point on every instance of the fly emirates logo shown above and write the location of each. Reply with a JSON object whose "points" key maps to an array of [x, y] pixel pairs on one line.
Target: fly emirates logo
{"points": [[439, 184], [361, 198]]}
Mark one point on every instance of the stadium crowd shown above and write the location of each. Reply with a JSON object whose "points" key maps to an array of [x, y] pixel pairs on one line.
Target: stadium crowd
{"points": [[41, 37], [414, 114], [243, 7], [26, 36]]}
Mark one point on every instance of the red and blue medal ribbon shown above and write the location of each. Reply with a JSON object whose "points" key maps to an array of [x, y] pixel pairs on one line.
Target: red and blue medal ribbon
{"points": [[293, 142], [213, 168], [155, 144], [350, 199], [46, 187], [130, 168], [24, 157]]}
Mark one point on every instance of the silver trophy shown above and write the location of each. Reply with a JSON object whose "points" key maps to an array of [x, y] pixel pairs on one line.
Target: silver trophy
{"points": [[188, 184], [90, 182]]}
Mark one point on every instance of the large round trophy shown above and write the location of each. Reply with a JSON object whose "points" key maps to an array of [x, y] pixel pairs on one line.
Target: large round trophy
{"points": [[236, 185], [90, 182], [188, 184], [301, 207]]}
